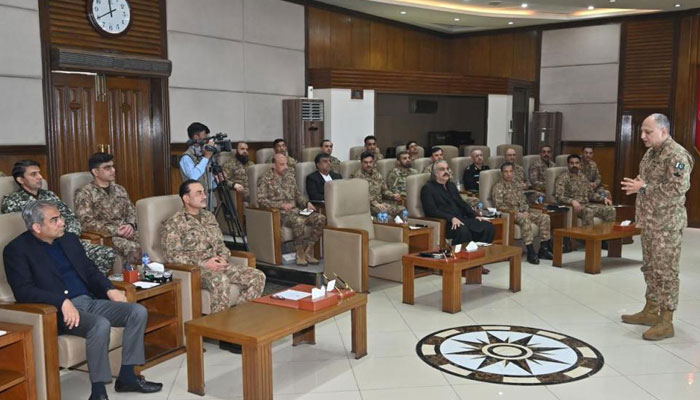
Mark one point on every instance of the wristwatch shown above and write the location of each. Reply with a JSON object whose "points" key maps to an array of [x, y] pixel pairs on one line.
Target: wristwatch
{"points": [[643, 189]]}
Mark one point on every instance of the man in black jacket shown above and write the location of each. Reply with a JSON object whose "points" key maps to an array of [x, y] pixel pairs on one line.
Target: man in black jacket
{"points": [[47, 265], [441, 199], [471, 173], [316, 180]]}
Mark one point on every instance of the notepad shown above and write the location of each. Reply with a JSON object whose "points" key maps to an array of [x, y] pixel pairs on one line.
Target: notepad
{"points": [[145, 285], [292, 295]]}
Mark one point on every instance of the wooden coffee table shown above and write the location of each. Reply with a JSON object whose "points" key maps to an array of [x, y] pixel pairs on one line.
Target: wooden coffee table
{"points": [[255, 327], [594, 236], [452, 269]]}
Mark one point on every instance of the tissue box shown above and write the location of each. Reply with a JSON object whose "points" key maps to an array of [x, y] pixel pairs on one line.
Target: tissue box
{"points": [[628, 228], [470, 255], [330, 299], [131, 276]]}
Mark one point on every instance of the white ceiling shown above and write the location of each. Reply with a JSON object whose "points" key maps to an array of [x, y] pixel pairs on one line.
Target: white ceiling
{"points": [[477, 15]]}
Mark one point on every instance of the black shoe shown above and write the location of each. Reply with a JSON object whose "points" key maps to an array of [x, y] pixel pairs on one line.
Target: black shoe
{"points": [[567, 245], [605, 245], [531, 255], [141, 385], [98, 397], [545, 252], [228, 346]]}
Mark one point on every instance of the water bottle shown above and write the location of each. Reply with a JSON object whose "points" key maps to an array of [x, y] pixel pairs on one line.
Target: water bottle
{"points": [[145, 259], [379, 217], [385, 217], [541, 199], [405, 216]]}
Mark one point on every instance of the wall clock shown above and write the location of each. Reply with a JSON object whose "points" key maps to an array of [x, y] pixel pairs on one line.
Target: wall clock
{"points": [[109, 17]]}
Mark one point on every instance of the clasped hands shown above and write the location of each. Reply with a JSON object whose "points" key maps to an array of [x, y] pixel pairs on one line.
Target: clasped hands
{"points": [[216, 263]]}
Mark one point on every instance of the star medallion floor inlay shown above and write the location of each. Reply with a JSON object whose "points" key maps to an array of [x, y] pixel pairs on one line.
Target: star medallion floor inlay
{"points": [[509, 354]]}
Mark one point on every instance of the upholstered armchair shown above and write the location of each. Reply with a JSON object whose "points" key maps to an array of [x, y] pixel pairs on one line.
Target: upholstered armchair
{"points": [[355, 248], [348, 167], [309, 153], [419, 163], [449, 152], [385, 166], [261, 155], [560, 160], [355, 152], [457, 165], [414, 184], [528, 161], [496, 161], [501, 151], [151, 212], [487, 180]]}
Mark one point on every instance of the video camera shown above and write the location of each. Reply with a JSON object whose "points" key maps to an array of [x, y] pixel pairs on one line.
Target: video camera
{"points": [[220, 143]]}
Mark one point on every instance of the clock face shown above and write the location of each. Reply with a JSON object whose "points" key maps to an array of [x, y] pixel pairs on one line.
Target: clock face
{"points": [[110, 17]]}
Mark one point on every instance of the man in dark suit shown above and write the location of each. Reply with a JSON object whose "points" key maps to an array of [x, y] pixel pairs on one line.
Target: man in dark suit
{"points": [[315, 181], [47, 265], [441, 199]]}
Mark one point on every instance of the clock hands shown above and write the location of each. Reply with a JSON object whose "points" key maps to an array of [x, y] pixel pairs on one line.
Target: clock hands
{"points": [[108, 12]]}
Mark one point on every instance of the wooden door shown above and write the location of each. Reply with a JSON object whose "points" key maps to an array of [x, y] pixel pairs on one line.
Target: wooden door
{"points": [[93, 113], [519, 121]]}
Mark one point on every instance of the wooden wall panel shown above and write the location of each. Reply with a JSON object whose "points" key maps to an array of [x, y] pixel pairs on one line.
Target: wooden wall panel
{"points": [[9, 155], [69, 26]]}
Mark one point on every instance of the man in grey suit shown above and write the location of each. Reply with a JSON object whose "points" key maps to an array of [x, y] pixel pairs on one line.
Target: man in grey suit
{"points": [[47, 265]]}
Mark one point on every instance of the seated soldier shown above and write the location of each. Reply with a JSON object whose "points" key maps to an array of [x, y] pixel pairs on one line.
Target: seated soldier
{"points": [[507, 196], [436, 154], [47, 265], [280, 147], [316, 181], [327, 147], [572, 188], [236, 170], [537, 170], [381, 199], [471, 173], [441, 199], [371, 147], [396, 181], [27, 174], [519, 174], [412, 148], [590, 170], [104, 206], [278, 189]]}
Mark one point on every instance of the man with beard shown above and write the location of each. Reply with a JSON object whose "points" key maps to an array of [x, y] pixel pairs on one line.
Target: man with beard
{"points": [[537, 170], [236, 170], [327, 147], [573, 189], [396, 181]]}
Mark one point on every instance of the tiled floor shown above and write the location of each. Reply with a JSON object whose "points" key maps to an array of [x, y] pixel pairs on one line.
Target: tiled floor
{"points": [[565, 300]]}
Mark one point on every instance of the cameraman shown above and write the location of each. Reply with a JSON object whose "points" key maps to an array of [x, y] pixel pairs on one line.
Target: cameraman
{"points": [[194, 162]]}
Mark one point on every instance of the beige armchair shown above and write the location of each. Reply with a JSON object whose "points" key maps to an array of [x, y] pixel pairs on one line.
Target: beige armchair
{"points": [[560, 160], [355, 247], [449, 152], [487, 180], [151, 212], [414, 184], [385, 166], [495, 162], [348, 167], [421, 150], [263, 154], [355, 152], [458, 165], [501, 151], [51, 351], [486, 150], [309, 153], [420, 163], [302, 170], [529, 161]]}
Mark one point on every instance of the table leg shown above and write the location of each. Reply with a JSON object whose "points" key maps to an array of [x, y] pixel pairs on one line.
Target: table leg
{"points": [[257, 372], [304, 336], [515, 273], [452, 290], [195, 364], [473, 275], [558, 244], [408, 281], [359, 331], [593, 248], [615, 248]]}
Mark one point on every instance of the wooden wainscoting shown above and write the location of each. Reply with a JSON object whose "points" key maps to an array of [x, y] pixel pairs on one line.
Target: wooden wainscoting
{"points": [[9, 155]]}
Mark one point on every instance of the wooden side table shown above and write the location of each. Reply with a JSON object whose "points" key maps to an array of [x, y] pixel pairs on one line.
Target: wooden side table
{"points": [[17, 379], [420, 239]]}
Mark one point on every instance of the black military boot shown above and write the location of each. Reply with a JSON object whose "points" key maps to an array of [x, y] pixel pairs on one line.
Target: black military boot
{"points": [[545, 252], [228, 346], [532, 255], [567, 245]]}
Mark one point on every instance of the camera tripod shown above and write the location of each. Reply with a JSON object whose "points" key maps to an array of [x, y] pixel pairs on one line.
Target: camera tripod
{"points": [[225, 202]]}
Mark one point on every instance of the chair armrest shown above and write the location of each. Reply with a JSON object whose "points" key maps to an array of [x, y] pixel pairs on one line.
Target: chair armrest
{"points": [[391, 232], [264, 230], [346, 253], [190, 277], [34, 308], [246, 258], [98, 238], [128, 289], [438, 225]]}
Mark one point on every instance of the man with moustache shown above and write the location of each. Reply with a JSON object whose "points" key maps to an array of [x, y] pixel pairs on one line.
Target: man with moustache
{"points": [[537, 170], [590, 170], [396, 180], [472, 172], [381, 199], [327, 147], [280, 147], [573, 189], [236, 170], [519, 174], [371, 147]]}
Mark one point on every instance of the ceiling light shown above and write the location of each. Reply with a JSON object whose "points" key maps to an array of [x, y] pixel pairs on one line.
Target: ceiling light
{"points": [[612, 1], [456, 19], [676, 5], [510, 22], [524, 5], [591, 8], [402, 12]]}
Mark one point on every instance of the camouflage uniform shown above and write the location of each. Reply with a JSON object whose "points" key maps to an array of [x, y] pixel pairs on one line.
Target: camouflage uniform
{"points": [[377, 155], [661, 213], [189, 239], [235, 172], [396, 181], [537, 174], [519, 175], [273, 190], [291, 163], [335, 165], [508, 196], [102, 256], [592, 173], [104, 211], [378, 192], [570, 187]]}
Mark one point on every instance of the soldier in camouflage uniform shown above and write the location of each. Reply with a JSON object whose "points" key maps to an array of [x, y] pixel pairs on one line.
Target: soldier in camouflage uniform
{"points": [[573, 189], [104, 206], [508, 196], [413, 150], [371, 146], [28, 175], [519, 175], [280, 147], [590, 170], [537, 170], [327, 147], [192, 236], [396, 181], [236, 170], [278, 189], [663, 180], [381, 199]]}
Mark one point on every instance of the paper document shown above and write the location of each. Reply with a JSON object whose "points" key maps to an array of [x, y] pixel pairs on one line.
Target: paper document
{"points": [[2, 333], [413, 228], [626, 223], [145, 285], [292, 295], [482, 244]]}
